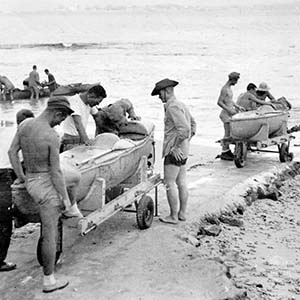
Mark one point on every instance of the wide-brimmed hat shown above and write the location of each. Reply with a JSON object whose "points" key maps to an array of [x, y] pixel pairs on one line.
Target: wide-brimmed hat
{"points": [[162, 85], [234, 75], [263, 87], [60, 102]]}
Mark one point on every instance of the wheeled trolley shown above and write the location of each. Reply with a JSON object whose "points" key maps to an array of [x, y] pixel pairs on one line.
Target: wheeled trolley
{"points": [[242, 147]]}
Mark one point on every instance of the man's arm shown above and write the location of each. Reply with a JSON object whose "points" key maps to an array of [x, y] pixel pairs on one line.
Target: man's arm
{"points": [[80, 129], [222, 102], [14, 157], [262, 102], [55, 171], [193, 126]]}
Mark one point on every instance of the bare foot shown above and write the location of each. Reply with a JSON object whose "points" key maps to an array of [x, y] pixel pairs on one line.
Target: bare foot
{"points": [[169, 220], [181, 217]]}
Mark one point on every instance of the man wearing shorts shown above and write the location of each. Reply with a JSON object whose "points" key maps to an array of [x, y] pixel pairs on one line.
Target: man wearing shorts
{"points": [[44, 180], [179, 127], [8, 87], [229, 108]]}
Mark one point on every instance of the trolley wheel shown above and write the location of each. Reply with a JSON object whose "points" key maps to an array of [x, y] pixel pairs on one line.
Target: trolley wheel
{"points": [[145, 212], [58, 246], [284, 154], [240, 154]]}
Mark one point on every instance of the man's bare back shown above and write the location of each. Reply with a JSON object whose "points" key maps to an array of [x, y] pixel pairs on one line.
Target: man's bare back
{"points": [[38, 142]]}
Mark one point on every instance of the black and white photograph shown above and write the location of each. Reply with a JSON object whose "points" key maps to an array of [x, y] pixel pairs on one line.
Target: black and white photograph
{"points": [[149, 150]]}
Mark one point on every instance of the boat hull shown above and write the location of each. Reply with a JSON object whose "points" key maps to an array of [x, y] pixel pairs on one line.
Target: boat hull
{"points": [[113, 159], [258, 125]]}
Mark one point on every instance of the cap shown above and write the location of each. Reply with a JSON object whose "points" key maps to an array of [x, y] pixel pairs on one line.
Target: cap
{"points": [[234, 75]]}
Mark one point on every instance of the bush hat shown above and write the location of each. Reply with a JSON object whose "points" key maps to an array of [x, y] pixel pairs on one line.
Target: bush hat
{"points": [[263, 87], [162, 85], [60, 102], [234, 75]]}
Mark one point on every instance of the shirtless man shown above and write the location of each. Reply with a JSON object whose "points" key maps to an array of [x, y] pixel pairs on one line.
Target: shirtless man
{"points": [[34, 82], [229, 108], [44, 180], [8, 87], [249, 101]]}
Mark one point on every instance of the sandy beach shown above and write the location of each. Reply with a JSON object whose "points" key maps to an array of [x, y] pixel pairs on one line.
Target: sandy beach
{"points": [[129, 45]]}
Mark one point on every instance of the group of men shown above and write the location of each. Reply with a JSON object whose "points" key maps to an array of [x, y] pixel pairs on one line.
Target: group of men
{"points": [[250, 100], [33, 82], [43, 176]]}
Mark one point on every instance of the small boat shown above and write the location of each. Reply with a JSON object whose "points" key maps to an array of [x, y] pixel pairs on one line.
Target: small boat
{"points": [[258, 125], [112, 158], [62, 90]]}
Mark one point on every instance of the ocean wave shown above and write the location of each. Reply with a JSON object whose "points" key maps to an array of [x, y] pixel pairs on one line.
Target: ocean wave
{"points": [[55, 45]]}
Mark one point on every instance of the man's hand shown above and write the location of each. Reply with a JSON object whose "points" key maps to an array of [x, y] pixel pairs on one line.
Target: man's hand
{"points": [[177, 153], [89, 142], [19, 181]]}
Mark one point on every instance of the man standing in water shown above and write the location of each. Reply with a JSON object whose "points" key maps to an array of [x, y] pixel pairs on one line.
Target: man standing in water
{"points": [[229, 108], [44, 180], [51, 81], [8, 87], [33, 83], [180, 126]]}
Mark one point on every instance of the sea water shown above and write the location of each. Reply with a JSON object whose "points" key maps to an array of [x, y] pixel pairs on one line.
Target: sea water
{"points": [[128, 46]]}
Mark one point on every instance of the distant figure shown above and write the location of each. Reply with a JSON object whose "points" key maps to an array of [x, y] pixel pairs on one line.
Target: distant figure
{"points": [[179, 128], [263, 92], [74, 126], [249, 101], [8, 87], [6, 217], [26, 83], [44, 180], [51, 81], [111, 117], [34, 83], [229, 108]]}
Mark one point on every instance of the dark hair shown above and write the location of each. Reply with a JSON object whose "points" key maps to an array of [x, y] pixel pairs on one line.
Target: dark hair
{"points": [[98, 91], [24, 114], [260, 93], [34, 67], [251, 86], [46, 70]]}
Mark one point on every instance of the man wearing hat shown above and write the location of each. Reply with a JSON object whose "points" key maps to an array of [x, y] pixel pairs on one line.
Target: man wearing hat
{"points": [[229, 108], [44, 181], [263, 92], [179, 127]]}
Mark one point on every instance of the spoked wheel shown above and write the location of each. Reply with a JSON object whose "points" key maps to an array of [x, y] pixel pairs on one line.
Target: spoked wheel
{"points": [[240, 154], [58, 245], [145, 212], [284, 154]]}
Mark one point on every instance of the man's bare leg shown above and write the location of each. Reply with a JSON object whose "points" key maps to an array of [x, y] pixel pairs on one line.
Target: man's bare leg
{"points": [[170, 175], [183, 193]]}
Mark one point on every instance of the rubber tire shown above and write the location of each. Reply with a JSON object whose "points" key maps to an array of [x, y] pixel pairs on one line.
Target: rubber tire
{"points": [[240, 154], [284, 153], [145, 212]]}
